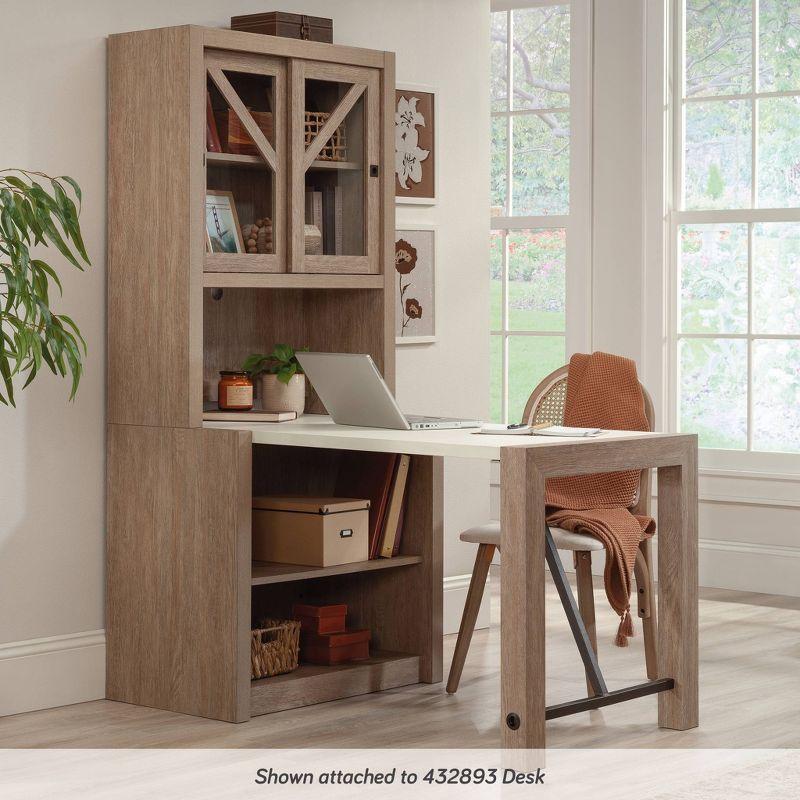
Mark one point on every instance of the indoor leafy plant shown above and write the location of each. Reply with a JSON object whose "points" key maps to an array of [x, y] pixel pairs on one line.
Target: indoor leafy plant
{"points": [[37, 211], [283, 384]]}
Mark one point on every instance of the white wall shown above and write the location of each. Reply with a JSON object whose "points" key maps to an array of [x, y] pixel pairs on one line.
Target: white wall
{"points": [[51, 452]]}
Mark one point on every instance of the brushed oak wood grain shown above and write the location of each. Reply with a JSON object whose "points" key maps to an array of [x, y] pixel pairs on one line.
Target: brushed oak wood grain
{"points": [[522, 514], [178, 570], [154, 130]]}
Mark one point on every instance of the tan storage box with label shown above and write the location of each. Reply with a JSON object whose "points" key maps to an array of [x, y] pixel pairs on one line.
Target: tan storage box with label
{"points": [[318, 531]]}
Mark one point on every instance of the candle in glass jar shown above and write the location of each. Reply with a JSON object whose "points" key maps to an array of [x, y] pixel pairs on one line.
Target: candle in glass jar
{"points": [[235, 391]]}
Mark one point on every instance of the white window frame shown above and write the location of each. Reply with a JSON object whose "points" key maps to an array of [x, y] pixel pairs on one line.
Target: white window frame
{"points": [[577, 223], [742, 461]]}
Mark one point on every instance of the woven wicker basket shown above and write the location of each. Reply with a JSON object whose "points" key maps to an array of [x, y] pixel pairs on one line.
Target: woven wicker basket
{"points": [[274, 648], [335, 149]]}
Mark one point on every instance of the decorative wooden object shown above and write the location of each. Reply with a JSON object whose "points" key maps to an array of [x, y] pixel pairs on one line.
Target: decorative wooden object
{"points": [[234, 137], [258, 236], [335, 149], [180, 496], [284, 23]]}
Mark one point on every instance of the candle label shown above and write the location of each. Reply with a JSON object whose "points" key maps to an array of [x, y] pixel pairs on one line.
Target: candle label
{"points": [[239, 396]]}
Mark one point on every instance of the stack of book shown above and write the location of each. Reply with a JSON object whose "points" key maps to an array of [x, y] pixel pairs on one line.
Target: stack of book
{"points": [[382, 479], [323, 209]]}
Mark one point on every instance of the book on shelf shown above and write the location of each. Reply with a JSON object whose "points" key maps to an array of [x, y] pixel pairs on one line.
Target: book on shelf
{"points": [[314, 210], [368, 476], [213, 144], [338, 222], [398, 538], [212, 413], [392, 526], [332, 220]]}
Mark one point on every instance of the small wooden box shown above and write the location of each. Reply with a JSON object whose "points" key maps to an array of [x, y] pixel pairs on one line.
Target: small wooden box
{"points": [[282, 23], [234, 138], [316, 531], [334, 648], [320, 619]]}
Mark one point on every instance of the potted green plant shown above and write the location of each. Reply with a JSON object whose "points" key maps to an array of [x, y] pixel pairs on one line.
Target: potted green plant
{"points": [[282, 382], [37, 210]]}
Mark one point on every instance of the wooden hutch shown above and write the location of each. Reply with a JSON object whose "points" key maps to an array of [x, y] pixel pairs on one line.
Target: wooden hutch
{"points": [[182, 592]]}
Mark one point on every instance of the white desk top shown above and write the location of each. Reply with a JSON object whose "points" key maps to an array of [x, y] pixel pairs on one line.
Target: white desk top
{"points": [[315, 430]]}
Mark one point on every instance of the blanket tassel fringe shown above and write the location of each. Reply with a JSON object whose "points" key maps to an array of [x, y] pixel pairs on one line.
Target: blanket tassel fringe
{"points": [[625, 629]]}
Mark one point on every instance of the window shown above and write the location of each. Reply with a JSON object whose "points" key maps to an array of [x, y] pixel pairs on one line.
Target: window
{"points": [[735, 226], [538, 200]]}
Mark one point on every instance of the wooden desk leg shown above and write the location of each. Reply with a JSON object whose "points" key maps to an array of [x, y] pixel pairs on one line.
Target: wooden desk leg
{"points": [[677, 592], [522, 600]]}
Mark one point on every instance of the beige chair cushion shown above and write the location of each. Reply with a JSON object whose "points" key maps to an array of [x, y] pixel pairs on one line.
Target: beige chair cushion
{"points": [[565, 540]]}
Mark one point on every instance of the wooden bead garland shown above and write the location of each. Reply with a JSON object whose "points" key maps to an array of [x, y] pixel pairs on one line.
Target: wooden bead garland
{"points": [[258, 236]]}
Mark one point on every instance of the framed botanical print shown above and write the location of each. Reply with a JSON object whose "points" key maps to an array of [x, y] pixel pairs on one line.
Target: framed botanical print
{"points": [[415, 271], [415, 168]]}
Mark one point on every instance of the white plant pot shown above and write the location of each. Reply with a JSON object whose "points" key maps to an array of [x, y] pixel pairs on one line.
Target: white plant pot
{"points": [[277, 396]]}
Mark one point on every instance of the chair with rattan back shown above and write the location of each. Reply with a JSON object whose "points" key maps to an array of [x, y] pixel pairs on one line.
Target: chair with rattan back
{"points": [[546, 406]]}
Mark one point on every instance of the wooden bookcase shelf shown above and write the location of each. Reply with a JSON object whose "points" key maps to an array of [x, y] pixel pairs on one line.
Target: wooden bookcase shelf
{"points": [[266, 572], [256, 162], [182, 592], [286, 280], [310, 683]]}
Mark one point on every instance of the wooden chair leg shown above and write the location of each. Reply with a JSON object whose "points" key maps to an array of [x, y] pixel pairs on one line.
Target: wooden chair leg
{"points": [[646, 602], [583, 574], [477, 584]]}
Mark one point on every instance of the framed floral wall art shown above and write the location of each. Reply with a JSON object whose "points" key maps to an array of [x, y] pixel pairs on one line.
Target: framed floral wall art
{"points": [[415, 296], [415, 169]]}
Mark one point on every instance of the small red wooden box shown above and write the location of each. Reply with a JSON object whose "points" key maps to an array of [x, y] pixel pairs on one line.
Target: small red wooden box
{"points": [[334, 648], [320, 619]]}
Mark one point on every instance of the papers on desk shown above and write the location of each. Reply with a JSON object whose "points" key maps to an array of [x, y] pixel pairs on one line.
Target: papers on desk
{"points": [[490, 429], [563, 430]]}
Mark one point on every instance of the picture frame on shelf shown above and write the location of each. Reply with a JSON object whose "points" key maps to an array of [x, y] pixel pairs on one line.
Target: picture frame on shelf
{"points": [[416, 295], [416, 177], [223, 232]]}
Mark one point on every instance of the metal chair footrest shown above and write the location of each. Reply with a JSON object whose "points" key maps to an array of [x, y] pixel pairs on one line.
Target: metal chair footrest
{"points": [[609, 698]]}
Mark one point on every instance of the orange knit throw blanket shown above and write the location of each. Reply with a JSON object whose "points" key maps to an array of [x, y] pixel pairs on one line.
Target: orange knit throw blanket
{"points": [[603, 391]]}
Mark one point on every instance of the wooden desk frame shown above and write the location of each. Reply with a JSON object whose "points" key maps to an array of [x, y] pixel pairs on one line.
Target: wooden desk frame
{"points": [[523, 472]]}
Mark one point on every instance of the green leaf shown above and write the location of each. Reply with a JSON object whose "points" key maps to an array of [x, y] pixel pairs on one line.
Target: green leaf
{"points": [[5, 372], [75, 187], [36, 212], [283, 353], [286, 372]]}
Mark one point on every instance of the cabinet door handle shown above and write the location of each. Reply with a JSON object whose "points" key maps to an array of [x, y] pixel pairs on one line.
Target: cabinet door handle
{"points": [[373, 170], [346, 533]]}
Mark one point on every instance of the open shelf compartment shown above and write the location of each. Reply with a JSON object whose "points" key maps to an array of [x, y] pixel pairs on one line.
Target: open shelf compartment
{"points": [[398, 599], [310, 683]]}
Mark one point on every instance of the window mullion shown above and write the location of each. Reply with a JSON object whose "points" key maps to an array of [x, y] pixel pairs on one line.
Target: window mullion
{"points": [[754, 107], [750, 336], [509, 120]]}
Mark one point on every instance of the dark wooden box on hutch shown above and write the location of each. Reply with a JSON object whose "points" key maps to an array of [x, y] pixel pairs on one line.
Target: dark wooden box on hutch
{"points": [[284, 23], [182, 591]]}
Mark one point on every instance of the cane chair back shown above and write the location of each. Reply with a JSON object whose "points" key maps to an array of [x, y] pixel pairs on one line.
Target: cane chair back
{"points": [[546, 406]]}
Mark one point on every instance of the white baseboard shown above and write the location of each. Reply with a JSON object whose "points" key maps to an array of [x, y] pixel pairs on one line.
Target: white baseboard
{"points": [[455, 595], [53, 671], [725, 564], [62, 670]]}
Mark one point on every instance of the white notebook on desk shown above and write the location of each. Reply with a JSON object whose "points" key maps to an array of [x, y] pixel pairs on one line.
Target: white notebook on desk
{"points": [[563, 430]]}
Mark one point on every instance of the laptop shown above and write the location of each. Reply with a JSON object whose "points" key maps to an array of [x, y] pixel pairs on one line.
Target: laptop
{"points": [[354, 392]]}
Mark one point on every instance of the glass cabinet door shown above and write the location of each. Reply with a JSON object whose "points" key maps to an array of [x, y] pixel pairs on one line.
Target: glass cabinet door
{"points": [[245, 163], [335, 187]]}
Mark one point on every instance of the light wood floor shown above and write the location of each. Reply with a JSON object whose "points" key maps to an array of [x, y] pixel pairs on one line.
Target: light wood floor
{"points": [[749, 696]]}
